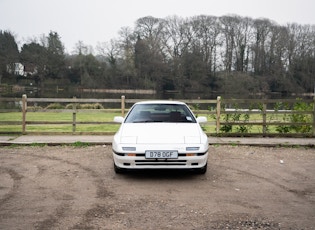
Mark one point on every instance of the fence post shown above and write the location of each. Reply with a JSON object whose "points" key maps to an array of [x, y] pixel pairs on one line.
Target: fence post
{"points": [[218, 114], [122, 105], [24, 110], [314, 115], [74, 116], [264, 116]]}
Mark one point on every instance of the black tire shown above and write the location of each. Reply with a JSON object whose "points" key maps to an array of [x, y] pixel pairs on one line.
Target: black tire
{"points": [[117, 169], [202, 170]]}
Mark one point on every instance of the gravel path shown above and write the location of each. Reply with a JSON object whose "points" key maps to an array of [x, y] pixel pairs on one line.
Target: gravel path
{"points": [[60, 187]]}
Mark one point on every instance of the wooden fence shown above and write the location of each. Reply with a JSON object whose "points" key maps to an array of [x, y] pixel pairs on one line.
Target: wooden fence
{"points": [[230, 117]]}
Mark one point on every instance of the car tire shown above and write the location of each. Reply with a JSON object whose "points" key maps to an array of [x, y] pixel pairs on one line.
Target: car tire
{"points": [[202, 170], [117, 169]]}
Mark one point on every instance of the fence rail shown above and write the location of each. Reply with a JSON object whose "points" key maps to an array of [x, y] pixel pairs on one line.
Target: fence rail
{"points": [[225, 114]]}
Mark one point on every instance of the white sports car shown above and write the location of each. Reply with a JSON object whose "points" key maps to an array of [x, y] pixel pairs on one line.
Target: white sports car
{"points": [[160, 135]]}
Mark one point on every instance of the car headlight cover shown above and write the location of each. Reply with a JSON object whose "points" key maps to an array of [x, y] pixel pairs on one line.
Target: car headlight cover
{"points": [[192, 148], [129, 148]]}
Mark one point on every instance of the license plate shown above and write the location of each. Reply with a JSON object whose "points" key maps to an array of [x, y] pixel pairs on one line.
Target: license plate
{"points": [[161, 154]]}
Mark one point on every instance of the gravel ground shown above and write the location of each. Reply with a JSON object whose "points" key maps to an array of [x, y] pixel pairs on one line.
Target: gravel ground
{"points": [[63, 187]]}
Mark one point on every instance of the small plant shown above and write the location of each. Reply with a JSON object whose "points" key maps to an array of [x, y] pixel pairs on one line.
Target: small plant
{"points": [[13, 146], [236, 117], [295, 117], [301, 118], [38, 144], [244, 128], [196, 106], [233, 144], [226, 128], [284, 117], [80, 144], [211, 115]]}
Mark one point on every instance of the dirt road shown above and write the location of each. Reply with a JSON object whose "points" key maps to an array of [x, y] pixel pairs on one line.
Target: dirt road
{"points": [[76, 188]]}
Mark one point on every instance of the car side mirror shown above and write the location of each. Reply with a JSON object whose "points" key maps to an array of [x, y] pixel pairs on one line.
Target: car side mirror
{"points": [[201, 119], [118, 119]]}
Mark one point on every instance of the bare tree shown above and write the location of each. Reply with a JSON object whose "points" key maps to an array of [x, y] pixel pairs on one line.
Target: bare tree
{"points": [[243, 36], [149, 58], [262, 28], [278, 51], [228, 24], [126, 44], [301, 54], [80, 48], [207, 32]]}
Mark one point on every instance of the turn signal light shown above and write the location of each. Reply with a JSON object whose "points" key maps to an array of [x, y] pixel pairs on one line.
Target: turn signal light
{"points": [[131, 154], [190, 154]]}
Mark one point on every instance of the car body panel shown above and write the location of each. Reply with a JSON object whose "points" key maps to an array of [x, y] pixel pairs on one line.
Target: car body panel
{"points": [[161, 132]]}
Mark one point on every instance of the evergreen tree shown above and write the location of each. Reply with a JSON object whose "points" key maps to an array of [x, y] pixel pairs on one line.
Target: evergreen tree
{"points": [[9, 53]]}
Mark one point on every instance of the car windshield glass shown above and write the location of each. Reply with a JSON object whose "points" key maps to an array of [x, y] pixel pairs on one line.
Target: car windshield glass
{"points": [[160, 113]]}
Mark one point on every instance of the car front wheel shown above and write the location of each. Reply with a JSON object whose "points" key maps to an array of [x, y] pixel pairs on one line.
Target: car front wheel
{"points": [[117, 169], [202, 170]]}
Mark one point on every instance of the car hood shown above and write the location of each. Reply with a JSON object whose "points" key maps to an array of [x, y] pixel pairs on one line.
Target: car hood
{"points": [[154, 133]]}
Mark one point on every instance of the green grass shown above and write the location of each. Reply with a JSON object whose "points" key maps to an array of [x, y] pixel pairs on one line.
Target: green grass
{"points": [[57, 117], [14, 116]]}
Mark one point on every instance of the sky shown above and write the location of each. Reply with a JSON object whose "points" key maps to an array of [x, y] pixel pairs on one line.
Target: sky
{"points": [[98, 21]]}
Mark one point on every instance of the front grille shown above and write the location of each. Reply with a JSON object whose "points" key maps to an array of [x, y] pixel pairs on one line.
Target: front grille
{"points": [[142, 154], [153, 160], [160, 162]]}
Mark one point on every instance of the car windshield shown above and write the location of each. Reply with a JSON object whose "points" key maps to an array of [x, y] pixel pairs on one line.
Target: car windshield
{"points": [[160, 113]]}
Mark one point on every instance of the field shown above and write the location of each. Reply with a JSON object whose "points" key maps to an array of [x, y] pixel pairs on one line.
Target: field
{"points": [[60, 117], [101, 121], [240, 117]]}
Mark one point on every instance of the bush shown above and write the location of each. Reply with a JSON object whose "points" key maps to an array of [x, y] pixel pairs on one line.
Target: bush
{"points": [[296, 118], [55, 106], [34, 108], [70, 106], [91, 106], [301, 118], [236, 117], [85, 106]]}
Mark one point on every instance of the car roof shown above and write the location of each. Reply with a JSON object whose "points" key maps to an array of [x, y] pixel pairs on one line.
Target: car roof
{"points": [[160, 102]]}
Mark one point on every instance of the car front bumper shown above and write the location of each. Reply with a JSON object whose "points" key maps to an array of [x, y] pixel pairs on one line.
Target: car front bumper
{"points": [[138, 161]]}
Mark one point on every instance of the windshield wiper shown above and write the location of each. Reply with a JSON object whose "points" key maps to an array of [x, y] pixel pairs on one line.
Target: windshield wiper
{"points": [[142, 121], [147, 121]]}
